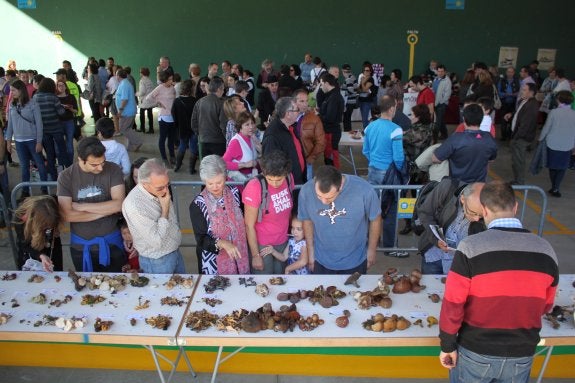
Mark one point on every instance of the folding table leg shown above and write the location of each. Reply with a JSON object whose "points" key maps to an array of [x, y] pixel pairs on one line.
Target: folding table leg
{"points": [[545, 362]]}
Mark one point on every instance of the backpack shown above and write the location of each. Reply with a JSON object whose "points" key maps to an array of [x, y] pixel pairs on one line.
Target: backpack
{"points": [[263, 208], [416, 224]]}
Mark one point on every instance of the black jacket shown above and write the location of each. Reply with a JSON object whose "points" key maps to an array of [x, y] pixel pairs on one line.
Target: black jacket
{"points": [[278, 137], [182, 109], [266, 104], [331, 111], [440, 208], [526, 124]]}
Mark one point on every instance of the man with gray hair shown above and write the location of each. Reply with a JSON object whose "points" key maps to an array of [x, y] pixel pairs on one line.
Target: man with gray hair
{"points": [[164, 66], [209, 120], [455, 209], [280, 135], [152, 220]]}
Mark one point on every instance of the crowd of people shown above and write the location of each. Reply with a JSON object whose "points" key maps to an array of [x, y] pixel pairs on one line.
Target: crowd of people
{"points": [[122, 216]]}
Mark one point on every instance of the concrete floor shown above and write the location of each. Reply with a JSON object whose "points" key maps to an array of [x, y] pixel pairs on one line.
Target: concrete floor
{"points": [[559, 230]]}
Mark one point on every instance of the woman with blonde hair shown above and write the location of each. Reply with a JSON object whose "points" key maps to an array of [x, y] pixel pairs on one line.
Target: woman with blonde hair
{"points": [[36, 222], [483, 86], [233, 106]]}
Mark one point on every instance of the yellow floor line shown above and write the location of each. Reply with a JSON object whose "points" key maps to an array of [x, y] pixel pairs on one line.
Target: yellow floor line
{"points": [[563, 230]]}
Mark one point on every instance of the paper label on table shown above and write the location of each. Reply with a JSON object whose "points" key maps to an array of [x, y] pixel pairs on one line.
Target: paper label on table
{"points": [[418, 314], [107, 317], [49, 291], [20, 293], [135, 316]]}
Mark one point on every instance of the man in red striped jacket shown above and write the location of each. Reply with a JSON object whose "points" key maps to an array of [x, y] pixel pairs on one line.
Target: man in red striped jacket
{"points": [[500, 284]]}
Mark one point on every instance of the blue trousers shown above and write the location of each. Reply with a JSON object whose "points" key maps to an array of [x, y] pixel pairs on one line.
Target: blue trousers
{"points": [[477, 368], [27, 152], [168, 264]]}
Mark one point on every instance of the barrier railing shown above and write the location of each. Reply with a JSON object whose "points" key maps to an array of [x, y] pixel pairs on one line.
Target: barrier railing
{"points": [[7, 217], [179, 188]]}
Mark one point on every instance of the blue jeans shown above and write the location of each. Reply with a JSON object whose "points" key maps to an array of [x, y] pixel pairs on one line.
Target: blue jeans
{"points": [[375, 177], [365, 109], [309, 171], [318, 268], [477, 368], [55, 146], [191, 143], [167, 131], [168, 264], [435, 267], [69, 129], [27, 152]]}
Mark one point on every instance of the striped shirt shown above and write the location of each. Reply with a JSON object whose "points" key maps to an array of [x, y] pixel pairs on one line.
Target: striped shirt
{"points": [[500, 284]]}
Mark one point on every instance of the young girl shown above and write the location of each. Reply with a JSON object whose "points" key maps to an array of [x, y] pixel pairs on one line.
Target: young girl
{"points": [[295, 252], [131, 252]]}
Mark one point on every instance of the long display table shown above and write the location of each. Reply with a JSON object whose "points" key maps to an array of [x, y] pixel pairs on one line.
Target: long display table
{"points": [[129, 314]]}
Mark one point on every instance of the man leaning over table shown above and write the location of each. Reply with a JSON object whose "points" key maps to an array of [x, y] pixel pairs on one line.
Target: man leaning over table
{"points": [[341, 217], [500, 284]]}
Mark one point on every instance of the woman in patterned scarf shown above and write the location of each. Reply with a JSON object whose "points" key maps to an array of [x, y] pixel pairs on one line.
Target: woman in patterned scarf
{"points": [[218, 223]]}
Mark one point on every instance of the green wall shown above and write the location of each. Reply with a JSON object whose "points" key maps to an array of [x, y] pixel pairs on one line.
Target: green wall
{"points": [[136, 33]]}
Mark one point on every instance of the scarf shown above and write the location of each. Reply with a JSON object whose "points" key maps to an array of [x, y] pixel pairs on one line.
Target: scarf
{"points": [[226, 222]]}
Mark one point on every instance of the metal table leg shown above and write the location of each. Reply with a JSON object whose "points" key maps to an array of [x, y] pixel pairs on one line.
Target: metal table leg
{"points": [[549, 350], [352, 159], [173, 364], [220, 360]]}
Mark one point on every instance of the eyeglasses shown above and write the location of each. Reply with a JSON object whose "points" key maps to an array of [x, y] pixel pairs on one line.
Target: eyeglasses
{"points": [[367, 70], [469, 212], [293, 110]]}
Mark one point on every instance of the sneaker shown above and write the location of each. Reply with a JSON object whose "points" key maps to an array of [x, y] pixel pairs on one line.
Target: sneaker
{"points": [[406, 230], [397, 254], [555, 193]]}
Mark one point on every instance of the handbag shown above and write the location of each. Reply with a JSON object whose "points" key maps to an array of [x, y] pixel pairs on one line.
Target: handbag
{"points": [[86, 95], [108, 98], [496, 99], [32, 265]]}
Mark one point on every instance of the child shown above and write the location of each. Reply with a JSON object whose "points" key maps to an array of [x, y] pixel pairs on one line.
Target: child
{"points": [[375, 113], [131, 252], [295, 253], [115, 152]]}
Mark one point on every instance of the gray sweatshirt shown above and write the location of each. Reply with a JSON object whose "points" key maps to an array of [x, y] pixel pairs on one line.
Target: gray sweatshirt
{"points": [[25, 123]]}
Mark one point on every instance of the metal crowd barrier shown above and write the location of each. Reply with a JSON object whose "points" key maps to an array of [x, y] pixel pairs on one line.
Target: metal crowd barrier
{"points": [[177, 188], [7, 216]]}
